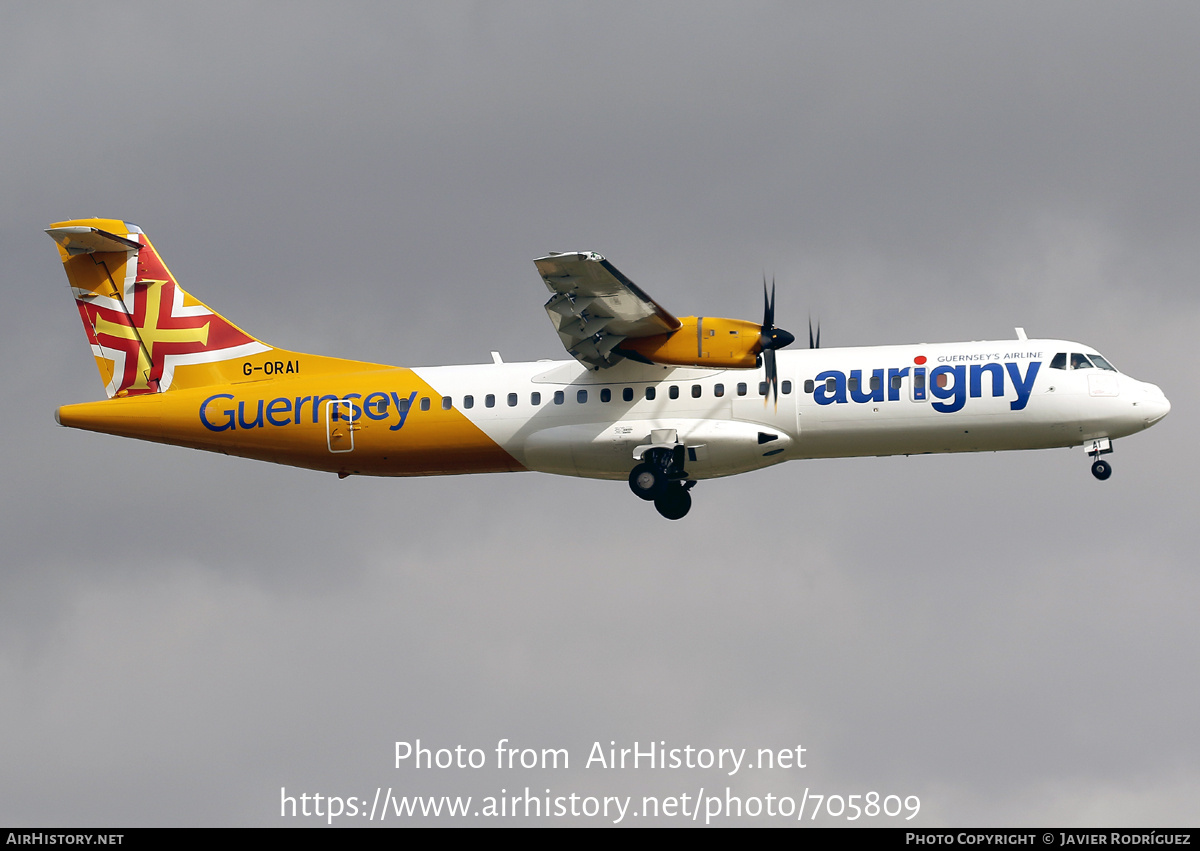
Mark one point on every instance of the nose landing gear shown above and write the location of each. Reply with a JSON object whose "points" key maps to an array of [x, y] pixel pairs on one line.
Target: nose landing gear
{"points": [[1101, 469]]}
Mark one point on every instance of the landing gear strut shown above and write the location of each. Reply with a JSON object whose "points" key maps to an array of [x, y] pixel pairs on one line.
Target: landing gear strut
{"points": [[1101, 469], [661, 479]]}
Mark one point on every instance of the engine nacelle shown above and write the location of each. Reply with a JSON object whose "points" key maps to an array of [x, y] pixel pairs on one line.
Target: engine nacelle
{"points": [[710, 341]]}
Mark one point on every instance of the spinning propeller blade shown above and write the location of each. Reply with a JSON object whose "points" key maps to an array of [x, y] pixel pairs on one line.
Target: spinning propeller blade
{"points": [[772, 338]]}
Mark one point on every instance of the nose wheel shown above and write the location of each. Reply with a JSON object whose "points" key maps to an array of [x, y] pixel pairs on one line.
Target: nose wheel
{"points": [[1101, 469]]}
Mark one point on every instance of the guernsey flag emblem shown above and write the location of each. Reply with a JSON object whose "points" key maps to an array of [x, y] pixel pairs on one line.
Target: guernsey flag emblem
{"points": [[145, 325]]}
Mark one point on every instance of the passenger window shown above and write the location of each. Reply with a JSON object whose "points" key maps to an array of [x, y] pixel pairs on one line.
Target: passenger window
{"points": [[719, 390], [627, 394], [512, 400], [402, 405], [535, 399], [1060, 361], [490, 400], [897, 382], [696, 391], [468, 401], [424, 403], [673, 392], [447, 403], [559, 397], [830, 385], [605, 395], [875, 383], [763, 386], [651, 393], [741, 388], [581, 397], [852, 384], [809, 385], [786, 388]]}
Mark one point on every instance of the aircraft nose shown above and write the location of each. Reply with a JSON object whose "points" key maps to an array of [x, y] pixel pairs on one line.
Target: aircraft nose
{"points": [[1155, 403]]}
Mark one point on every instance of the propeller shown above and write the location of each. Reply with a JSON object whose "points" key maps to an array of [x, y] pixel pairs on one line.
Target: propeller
{"points": [[814, 343], [772, 338]]}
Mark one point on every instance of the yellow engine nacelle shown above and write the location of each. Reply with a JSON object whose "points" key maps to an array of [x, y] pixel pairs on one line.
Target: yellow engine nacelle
{"points": [[702, 341]]}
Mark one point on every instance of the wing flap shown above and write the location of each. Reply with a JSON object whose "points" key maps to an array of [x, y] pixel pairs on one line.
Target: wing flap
{"points": [[594, 307]]}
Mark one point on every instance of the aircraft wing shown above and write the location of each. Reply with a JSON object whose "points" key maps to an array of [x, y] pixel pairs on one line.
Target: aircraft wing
{"points": [[594, 307]]}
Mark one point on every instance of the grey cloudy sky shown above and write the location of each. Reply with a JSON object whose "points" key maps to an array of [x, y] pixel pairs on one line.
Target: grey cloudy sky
{"points": [[183, 634]]}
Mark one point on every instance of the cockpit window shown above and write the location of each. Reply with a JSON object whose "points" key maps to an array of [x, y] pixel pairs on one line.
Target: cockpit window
{"points": [[1080, 361], [1102, 363], [1060, 361]]}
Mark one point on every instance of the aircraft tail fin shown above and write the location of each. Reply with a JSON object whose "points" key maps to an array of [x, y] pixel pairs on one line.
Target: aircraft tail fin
{"points": [[146, 333]]}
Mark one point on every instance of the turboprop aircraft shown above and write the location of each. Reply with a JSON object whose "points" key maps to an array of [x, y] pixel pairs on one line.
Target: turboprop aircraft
{"points": [[661, 401]]}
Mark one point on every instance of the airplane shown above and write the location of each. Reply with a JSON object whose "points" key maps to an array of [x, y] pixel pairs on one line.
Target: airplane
{"points": [[660, 401]]}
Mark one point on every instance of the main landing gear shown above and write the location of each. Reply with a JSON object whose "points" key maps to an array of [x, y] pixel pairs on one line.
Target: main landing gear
{"points": [[1101, 469], [661, 479]]}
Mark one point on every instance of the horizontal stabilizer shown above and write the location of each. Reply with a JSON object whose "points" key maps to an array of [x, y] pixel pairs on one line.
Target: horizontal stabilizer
{"points": [[87, 240]]}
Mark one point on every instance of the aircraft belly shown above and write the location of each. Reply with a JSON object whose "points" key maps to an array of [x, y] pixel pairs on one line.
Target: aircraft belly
{"points": [[605, 450]]}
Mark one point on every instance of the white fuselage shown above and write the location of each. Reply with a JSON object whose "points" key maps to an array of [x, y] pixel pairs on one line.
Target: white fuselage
{"points": [[925, 398]]}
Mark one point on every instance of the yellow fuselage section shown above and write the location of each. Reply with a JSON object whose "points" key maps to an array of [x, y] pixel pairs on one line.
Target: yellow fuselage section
{"points": [[383, 421]]}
